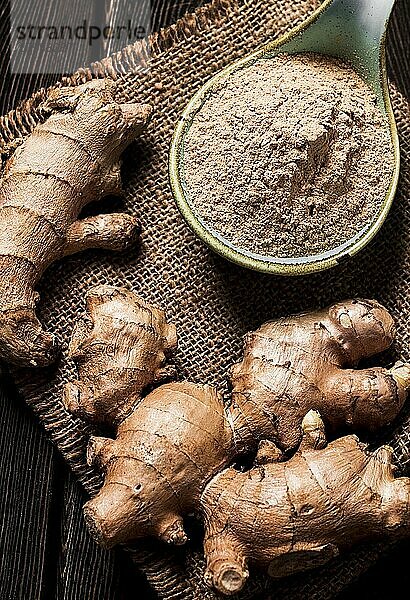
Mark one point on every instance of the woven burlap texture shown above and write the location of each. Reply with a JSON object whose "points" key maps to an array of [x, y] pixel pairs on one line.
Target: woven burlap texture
{"points": [[213, 303]]}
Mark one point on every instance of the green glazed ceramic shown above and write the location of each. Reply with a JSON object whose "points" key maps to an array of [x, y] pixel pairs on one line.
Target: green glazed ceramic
{"points": [[353, 30]]}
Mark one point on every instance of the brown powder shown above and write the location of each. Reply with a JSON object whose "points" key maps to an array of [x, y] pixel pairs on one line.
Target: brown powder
{"points": [[289, 157]]}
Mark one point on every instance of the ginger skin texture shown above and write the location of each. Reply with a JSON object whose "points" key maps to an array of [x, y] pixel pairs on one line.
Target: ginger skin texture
{"points": [[307, 361], [155, 471], [68, 161], [295, 515], [120, 347], [181, 435]]}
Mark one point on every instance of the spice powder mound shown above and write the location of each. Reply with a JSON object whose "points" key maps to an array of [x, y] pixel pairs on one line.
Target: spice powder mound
{"points": [[288, 157]]}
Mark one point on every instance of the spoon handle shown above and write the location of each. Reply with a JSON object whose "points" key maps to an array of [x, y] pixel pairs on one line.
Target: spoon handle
{"points": [[353, 30], [369, 17]]}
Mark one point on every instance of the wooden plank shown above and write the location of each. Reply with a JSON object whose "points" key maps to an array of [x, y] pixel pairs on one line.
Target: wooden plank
{"points": [[83, 567], [27, 474]]}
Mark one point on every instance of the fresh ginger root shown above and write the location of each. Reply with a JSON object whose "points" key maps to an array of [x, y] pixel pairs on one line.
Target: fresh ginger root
{"points": [[155, 471], [305, 362], [180, 436], [295, 515], [120, 347], [68, 161]]}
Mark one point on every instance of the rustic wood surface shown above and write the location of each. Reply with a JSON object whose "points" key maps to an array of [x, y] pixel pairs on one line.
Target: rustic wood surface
{"points": [[45, 550]]}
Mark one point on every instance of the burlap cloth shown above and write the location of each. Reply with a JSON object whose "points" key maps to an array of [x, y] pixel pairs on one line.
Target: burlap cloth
{"points": [[212, 302]]}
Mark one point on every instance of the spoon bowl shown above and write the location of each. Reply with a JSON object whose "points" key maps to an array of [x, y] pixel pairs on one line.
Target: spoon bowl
{"points": [[351, 30]]}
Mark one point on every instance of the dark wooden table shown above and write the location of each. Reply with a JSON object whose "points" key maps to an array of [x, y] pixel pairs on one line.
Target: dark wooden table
{"points": [[45, 550]]}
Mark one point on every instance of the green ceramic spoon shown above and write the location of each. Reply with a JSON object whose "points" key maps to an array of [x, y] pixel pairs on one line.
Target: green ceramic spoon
{"points": [[353, 30]]}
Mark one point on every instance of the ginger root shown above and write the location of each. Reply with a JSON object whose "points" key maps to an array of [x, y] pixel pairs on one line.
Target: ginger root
{"points": [[120, 347], [68, 161], [173, 453], [165, 452], [295, 515], [305, 362], [167, 436]]}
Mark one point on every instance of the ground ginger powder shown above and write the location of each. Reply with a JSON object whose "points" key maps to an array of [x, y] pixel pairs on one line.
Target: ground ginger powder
{"points": [[290, 157]]}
